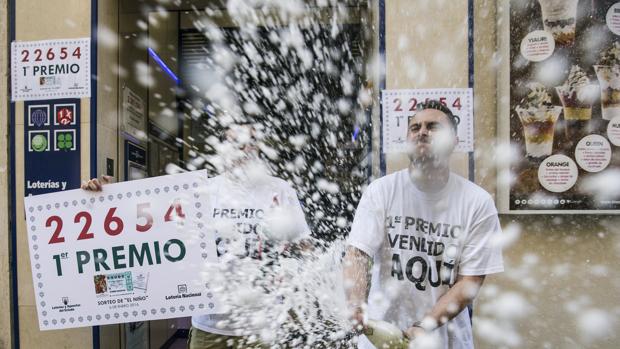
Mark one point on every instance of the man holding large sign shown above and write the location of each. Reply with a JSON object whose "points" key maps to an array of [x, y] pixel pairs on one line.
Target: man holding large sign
{"points": [[243, 207]]}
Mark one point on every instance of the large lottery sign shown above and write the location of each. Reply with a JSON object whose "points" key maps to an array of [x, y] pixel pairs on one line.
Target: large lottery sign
{"points": [[132, 252], [50, 69], [398, 105]]}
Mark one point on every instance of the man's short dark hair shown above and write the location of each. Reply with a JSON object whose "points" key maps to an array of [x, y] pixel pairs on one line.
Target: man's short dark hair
{"points": [[437, 105]]}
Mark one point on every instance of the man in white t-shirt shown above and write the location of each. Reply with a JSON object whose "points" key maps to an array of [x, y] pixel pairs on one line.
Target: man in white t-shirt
{"points": [[430, 234], [243, 201]]}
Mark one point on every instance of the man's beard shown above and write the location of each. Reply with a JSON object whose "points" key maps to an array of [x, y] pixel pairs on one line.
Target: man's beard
{"points": [[436, 153], [418, 155], [427, 159]]}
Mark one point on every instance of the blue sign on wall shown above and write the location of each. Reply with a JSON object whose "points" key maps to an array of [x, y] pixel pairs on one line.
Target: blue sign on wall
{"points": [[135, 153], [135, 161], [51, 145]]}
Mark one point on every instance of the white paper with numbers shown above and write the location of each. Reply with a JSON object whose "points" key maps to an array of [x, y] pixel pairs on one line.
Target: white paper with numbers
{"points": [[152, 280], [50, 69], [397, 105]]}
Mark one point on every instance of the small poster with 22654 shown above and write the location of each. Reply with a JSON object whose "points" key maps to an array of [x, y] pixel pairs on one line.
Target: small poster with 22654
{"points": [[399, 105], [50, 69]]}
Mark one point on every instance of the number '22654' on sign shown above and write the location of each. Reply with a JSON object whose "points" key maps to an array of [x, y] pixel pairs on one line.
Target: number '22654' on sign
{"points": [[121, 251]]}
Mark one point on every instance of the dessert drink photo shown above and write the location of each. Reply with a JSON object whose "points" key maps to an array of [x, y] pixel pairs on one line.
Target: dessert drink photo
{"points": [[576, 97], [538, 117], [559, 19]]}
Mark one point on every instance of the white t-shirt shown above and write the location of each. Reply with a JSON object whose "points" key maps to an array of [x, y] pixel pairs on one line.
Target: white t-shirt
{"points": [[238, 207], [411, 235]]}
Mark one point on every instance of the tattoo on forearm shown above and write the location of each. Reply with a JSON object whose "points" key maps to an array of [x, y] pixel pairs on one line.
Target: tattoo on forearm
{"points": [[356, 270]]}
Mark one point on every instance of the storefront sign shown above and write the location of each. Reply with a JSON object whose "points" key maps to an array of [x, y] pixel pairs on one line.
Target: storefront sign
{"points": [[51, 136], [398, 105], [50, 69], [132, 252]]}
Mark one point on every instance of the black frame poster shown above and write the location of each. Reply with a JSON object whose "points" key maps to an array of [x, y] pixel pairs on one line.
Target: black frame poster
{"points": [[562, 120]]}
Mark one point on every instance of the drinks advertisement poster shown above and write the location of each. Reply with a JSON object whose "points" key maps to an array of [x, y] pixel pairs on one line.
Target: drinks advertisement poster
{"points": [[564, 106], [132, 252]]}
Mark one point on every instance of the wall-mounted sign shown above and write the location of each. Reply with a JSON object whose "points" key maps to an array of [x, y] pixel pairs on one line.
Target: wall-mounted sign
{"points": [[52, 146], [133, 114], [398, 105], [50, 69], [135, 161], [131, 252]]}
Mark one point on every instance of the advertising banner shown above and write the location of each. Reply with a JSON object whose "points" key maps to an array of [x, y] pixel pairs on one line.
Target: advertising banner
{"points": [[132, 252], [398, 105], [50, 69], [52, 136], [564, 106]]}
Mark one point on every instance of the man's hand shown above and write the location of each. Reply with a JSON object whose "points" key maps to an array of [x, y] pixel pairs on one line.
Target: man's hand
{"points": [[96, 184], [447, 307], [414, 332], [357, 320]]}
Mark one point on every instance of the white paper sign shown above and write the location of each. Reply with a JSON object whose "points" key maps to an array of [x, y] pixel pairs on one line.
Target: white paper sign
{"points": [[132, 252], [398, 105], [133, 112], [50, 69]]}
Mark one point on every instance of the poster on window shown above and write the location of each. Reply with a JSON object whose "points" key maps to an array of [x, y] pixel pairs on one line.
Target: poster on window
{"points": [[50, 69], [133, 252], [398, 105], [564, 106]]}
